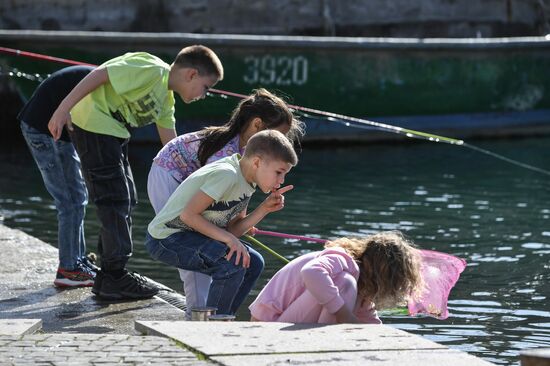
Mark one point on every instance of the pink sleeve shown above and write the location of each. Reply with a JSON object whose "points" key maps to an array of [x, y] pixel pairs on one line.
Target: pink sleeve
{"points": [[266, 312], [367, 313], [318, 277]]}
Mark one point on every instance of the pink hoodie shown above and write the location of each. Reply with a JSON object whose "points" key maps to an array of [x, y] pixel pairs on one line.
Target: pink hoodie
{"points": [[315, 272]]}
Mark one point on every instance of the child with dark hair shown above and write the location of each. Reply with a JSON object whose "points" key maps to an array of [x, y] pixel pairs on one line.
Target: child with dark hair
{"points": [[59, 166]]}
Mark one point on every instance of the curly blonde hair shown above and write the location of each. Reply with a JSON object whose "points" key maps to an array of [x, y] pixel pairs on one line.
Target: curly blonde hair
{"points": [[389, 267]]}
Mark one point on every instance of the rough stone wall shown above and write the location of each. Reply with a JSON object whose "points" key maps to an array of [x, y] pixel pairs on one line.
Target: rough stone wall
{"points": [[391, 18]]}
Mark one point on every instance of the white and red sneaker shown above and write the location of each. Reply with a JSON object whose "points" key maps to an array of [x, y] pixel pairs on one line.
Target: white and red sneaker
{"points": [[82, 276]]}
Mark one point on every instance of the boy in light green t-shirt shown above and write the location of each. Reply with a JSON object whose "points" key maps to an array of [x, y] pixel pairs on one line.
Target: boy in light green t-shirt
{"points": [[132, 90], [199, 226]]}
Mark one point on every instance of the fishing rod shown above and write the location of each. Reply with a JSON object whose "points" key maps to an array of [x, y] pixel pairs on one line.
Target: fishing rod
{"points": [[365, 123], [266, 248], [329, 116], [39, 56], [378, 125], [474, 148]]}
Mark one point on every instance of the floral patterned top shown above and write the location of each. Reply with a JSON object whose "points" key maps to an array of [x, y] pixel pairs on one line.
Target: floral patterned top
{"points": [[179, 156]]}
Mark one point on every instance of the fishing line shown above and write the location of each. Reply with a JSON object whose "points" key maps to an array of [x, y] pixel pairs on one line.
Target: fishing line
{"points": [[362, 123], [16, 73], [434, 138], [266, 248], [508, 160], [40, 56], [348, 121]]}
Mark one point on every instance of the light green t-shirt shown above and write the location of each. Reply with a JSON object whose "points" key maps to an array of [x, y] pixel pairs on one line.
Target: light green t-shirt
{"points": [[137, 93], [221, 180]]}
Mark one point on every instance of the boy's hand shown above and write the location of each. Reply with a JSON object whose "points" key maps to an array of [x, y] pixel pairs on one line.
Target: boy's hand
{"points": [[59, 119], [238, 248], [276, 201]]}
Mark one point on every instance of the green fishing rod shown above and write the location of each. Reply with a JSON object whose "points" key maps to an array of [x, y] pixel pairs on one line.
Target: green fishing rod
{"points": [[366, 124], [266, 248], [335, 117], [355, 122]]}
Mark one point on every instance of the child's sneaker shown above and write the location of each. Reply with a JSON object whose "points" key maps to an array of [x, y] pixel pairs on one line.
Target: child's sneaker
{"points": [[89, 261], [82, 276]]}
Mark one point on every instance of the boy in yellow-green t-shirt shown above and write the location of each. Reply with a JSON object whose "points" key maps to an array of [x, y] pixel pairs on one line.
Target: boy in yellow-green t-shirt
{"points": [[132, 90]]}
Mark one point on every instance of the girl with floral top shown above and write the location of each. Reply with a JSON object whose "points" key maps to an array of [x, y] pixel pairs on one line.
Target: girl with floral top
{"points": [[185, 154]]}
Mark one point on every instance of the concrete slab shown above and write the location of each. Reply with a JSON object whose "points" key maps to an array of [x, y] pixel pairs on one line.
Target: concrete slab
{"points": [[19, 327], [246, 338], [93, 349], [27, 270], [380, 358]]}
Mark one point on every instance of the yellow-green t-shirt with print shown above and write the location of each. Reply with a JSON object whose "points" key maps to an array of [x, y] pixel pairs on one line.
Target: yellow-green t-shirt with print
{"points": [[222, 180], [137, 94]]}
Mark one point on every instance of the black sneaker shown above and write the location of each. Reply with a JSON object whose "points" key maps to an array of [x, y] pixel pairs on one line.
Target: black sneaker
{"points": [[129, 286], [97, 283]]}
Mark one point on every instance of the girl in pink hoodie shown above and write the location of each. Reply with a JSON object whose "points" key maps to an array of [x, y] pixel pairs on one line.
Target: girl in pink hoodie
{"points": [[345, 283]]}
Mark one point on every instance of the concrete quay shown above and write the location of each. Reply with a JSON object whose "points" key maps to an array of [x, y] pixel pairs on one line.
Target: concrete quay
{"points": [[79, 349], [42, 325], [27, 270]]}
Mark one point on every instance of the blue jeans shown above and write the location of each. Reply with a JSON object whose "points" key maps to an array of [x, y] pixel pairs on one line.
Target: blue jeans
{"points": [[109, 179], [60, 168], [196, 252]]}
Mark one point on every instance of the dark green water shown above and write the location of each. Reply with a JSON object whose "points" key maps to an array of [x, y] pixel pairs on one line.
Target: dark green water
{"points": [[447, 198]]}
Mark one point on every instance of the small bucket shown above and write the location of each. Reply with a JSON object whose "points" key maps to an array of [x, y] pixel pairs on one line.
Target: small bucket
{"points": [[201, 314], [221, 318]]}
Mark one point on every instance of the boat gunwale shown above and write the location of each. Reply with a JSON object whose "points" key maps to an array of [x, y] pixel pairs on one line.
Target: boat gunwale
{"points": [[303, 42]]}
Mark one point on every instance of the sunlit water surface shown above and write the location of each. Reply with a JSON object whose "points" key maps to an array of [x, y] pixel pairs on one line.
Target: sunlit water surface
{"points": [[447, 198]]}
